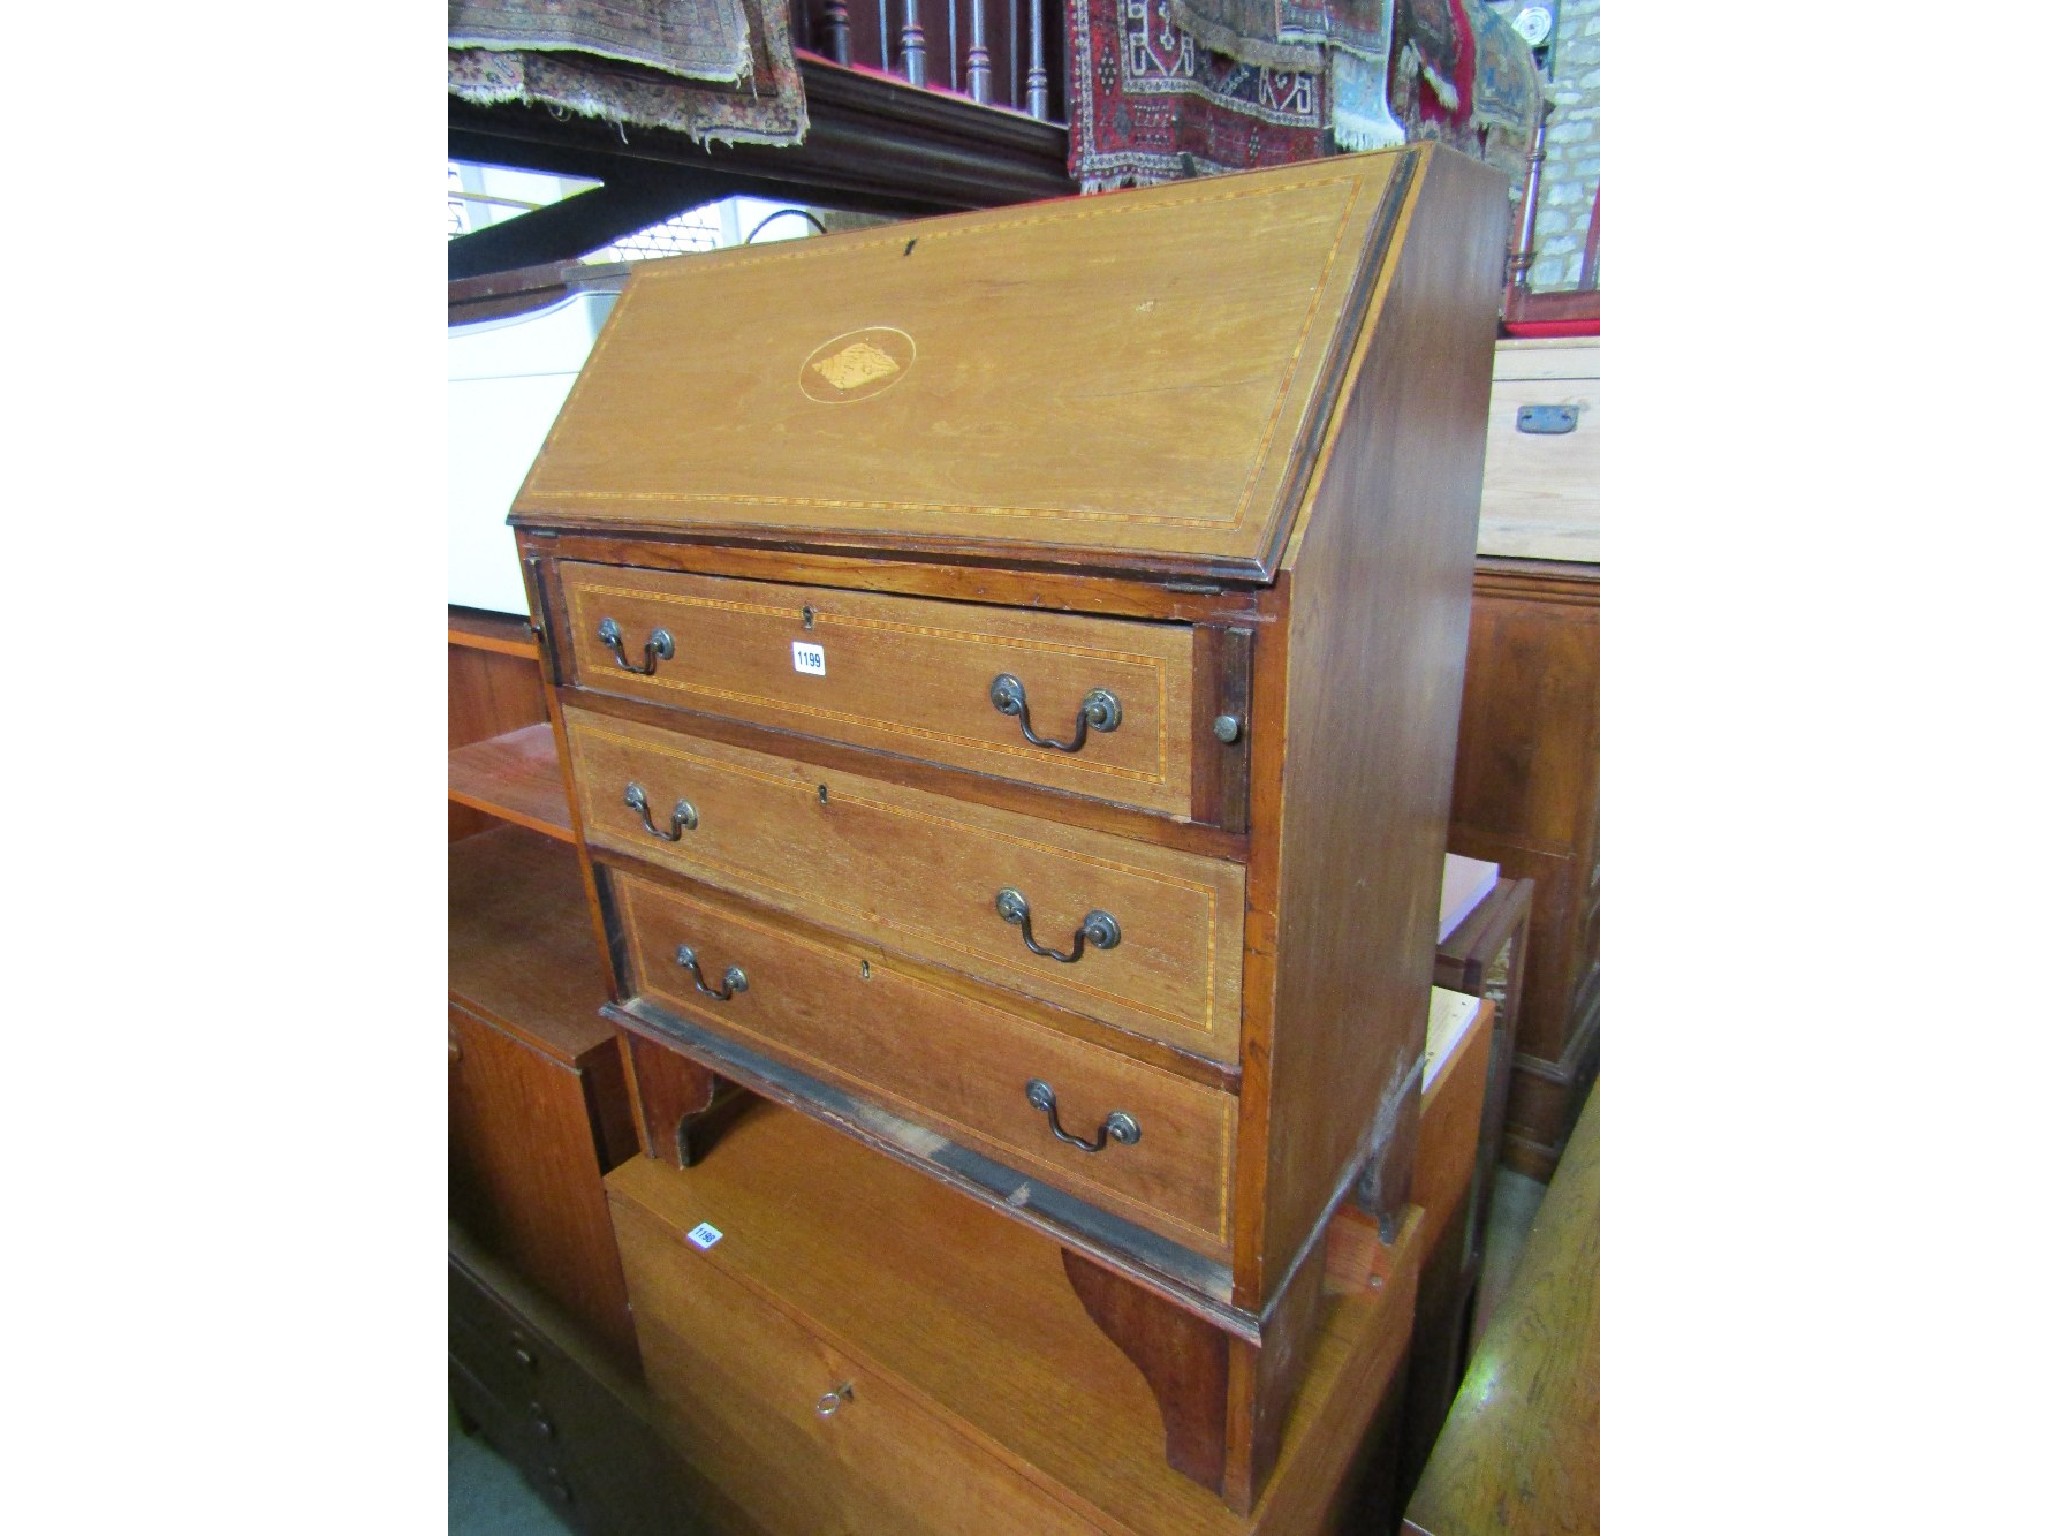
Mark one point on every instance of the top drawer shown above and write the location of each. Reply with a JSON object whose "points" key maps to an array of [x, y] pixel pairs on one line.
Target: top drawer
{"points": [[903, 674]]}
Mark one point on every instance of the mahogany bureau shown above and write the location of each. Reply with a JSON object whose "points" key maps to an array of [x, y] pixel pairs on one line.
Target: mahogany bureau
{"points": [[1007, 667]]}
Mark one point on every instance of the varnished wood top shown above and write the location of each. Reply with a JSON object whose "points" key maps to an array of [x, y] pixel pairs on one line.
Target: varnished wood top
{"points": [[1143, 374], [520, 949], [1520, 1454], [903, 1276]]}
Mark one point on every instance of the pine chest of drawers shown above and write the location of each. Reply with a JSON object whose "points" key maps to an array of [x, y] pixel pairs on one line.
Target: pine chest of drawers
{"points": [[1008, 670]]}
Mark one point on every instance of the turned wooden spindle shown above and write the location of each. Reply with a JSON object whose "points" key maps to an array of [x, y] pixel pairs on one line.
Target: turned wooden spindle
{"points": [[1037, 99], [980, 77], [913, 44], [1524, 255], [838, 33]]}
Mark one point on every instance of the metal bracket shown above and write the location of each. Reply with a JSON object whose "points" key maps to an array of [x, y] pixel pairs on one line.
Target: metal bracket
{"points": [[1549, 420]]}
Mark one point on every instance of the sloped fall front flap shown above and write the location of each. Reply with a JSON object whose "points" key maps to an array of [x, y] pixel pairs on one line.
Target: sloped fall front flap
{"points": [[1137, 379]]}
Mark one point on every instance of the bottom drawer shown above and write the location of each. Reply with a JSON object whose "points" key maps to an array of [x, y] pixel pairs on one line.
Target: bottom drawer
{"points": [[804, 1440], [852, 1016]]}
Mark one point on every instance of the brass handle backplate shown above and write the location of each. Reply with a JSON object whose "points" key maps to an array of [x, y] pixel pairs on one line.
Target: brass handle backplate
{"points": [[661, 646], [1099, 711], [1097, 928], [682, 819], [735, 979], [1119, 1127]]}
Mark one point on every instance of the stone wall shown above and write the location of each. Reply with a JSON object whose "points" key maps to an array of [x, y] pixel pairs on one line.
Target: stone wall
{"points": [[1571, 169]]}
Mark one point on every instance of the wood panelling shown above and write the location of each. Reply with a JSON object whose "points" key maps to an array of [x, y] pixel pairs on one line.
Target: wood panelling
{"points": [[1527, 798], [874, 860], [905, 675]]}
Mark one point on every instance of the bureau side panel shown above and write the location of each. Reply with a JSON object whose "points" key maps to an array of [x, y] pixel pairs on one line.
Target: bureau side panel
{"points": [[1378, 617]]}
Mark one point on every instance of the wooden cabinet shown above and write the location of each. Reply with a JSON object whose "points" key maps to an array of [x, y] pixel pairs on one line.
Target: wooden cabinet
{"points": [[537, 1094], [842, 1344], [1528, 798], [577, 1426], [1007, 670]]}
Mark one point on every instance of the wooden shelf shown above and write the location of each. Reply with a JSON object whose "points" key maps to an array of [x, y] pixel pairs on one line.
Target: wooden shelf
{"points": [[802, 1209], [521, 951], [479, 629], [515, 777]]}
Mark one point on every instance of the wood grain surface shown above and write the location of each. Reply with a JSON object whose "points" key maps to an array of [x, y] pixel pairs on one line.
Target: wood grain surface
{"points": [[972, 1317], [524, 1172], [1172, 342], [515, 777], [903, 674], [520, 951], [1378, 605], [1542, 494], [1520, 1454], [847, 1015], [494, 686], [877, 861]]}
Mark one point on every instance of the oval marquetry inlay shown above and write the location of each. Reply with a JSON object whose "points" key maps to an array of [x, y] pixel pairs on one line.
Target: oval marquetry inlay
{"points": [[857, 365]]}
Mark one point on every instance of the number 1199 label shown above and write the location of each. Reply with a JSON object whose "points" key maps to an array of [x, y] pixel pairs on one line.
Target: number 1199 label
{"points": [[809, 658]]}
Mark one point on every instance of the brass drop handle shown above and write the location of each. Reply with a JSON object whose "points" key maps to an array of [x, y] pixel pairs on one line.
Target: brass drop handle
{"points": [[1099, 711], [735, 979], [834, 1400], [1097, 928], [682, 819], [1119, 1127], [661, 646]]}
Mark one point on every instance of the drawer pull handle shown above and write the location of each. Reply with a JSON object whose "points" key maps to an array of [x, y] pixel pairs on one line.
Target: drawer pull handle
{"points": [[1119, 1127], [1097, 928], [735, 979], [1099, 710], [834, 1400], [661, 646], [683, 820]]}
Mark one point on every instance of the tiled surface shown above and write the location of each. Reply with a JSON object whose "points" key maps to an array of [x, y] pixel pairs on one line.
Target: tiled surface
{"points": [[486, 1497]]}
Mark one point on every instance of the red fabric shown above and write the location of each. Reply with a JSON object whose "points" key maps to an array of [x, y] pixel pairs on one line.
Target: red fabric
{"points": [[1464, 75], [1532, 328]]}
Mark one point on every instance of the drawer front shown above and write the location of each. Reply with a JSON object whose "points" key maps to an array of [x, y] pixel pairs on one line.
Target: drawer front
{"points": [[922, 873], [847, 1015], [903, 674], [742, 1385]]}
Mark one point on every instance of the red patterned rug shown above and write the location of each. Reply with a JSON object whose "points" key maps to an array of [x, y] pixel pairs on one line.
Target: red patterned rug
{"points": [[1287, 80], [1147, 104]]}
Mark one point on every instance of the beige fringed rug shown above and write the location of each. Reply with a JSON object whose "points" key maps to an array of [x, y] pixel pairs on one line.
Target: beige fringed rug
{"points": [[720, 71]]}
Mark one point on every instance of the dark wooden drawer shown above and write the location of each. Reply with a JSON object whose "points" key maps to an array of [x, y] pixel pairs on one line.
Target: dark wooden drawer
{"points": [[922, 873], [905, 674], [847, 1014]]}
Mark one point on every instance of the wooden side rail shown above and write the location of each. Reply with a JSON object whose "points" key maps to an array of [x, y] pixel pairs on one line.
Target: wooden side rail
{"points": [[1520, 1453]]}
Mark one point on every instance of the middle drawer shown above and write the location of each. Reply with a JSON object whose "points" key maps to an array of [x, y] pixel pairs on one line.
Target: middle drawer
{"points": [[1148, 939]]}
